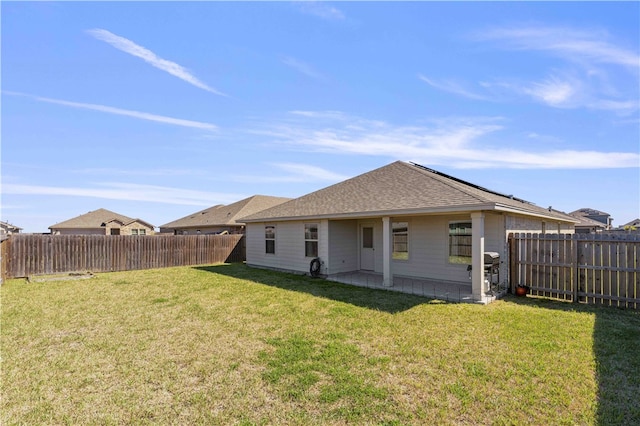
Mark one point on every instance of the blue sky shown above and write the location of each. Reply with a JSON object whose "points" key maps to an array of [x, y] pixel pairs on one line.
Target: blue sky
{"points": [[157, 110]]}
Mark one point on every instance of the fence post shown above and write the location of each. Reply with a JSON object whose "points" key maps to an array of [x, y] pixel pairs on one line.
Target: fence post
{"points": [[513, 261], [575, 267], [4, 258]]}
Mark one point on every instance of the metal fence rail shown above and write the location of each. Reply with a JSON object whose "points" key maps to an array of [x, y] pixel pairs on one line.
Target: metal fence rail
{"points": [[596, 269], [25, 255]]}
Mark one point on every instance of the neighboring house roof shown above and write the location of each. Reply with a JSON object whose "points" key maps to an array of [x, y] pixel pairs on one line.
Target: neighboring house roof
{"points": [[586, 211], [95, 219], [585, 222], [221, 215], [635, 223], [400, 188], [9, 227]]}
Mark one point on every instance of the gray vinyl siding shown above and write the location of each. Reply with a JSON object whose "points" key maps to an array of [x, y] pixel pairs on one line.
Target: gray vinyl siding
{"points": [[343, 246], [339, 245], [429, 247], [429, 250], [289, 255]]}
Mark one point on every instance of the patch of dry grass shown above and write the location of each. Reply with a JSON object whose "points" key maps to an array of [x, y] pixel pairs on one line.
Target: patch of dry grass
{"points": [[227, 344]]}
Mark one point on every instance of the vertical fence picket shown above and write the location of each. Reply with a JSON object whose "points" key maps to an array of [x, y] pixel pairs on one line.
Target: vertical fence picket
{"points": [[596, 269]]}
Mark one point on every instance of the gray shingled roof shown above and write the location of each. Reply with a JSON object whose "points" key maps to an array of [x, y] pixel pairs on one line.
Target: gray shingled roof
{"points": [[221, 215], [94, 219], [586, 211], [583, 221], [399, 188]]}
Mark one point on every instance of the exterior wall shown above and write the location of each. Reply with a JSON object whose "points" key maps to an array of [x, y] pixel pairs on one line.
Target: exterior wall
{"points": [[343, 246], [289, 255], [339, 243], [106, 230], [530, 224], [78, 231], [126, 230], [428, 239]]}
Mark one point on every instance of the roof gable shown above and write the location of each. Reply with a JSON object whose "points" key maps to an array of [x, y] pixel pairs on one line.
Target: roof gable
{"points": [[399, 188]]}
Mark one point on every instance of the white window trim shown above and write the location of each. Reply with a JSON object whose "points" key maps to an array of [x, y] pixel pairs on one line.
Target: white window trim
{"points": [[274, 239], [449, 243], [408, 241], [316, 240]]}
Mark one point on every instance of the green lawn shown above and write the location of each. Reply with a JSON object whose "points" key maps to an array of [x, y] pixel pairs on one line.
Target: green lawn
{"points": [[227, 344]]}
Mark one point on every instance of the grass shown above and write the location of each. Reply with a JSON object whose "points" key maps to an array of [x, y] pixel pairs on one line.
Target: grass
{"points": [[227, 344]]}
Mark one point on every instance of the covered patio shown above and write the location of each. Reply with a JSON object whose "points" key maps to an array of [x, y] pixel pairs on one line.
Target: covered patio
{"points": [[436, 289]]}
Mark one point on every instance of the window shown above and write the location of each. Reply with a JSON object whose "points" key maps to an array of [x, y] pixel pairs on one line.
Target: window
{"points": [[270, 239], [142, 232], [460, 242], [311, 240], [400, 235], [134, 232]]}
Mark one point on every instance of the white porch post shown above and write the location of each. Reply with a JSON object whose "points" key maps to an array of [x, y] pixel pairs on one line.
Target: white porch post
{"points": [[477, 255], [387, 277]]}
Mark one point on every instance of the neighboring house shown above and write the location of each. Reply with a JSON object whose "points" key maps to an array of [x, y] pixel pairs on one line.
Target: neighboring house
{"points": [[8, 229], [633, 224], [630, 227], [593, 214], [401, 220], [102, 222], [220, 218], [585, 225]]}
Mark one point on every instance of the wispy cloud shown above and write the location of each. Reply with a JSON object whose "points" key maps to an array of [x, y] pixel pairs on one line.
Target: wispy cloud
{"points": [[294, 173], [302, 67], [141, 172], [125, 112], [128, 191], [452, 87], [151, 58], [583, 77], [454, 142], [568, 43], [320, 9], [555, 92]]}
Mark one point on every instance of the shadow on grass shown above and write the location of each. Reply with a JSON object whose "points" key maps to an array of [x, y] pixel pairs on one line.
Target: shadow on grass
{"points": [[616, 349], [381, 300]]}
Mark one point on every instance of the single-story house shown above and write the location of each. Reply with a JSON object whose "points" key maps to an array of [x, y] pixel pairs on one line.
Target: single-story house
{"points": [[629, 227], [401, 220], [102, 222], [7, 229], [221, 218]]}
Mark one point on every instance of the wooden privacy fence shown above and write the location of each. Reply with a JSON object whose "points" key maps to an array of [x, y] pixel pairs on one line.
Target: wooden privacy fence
{"points": [[588, 268], [25, 255]]}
